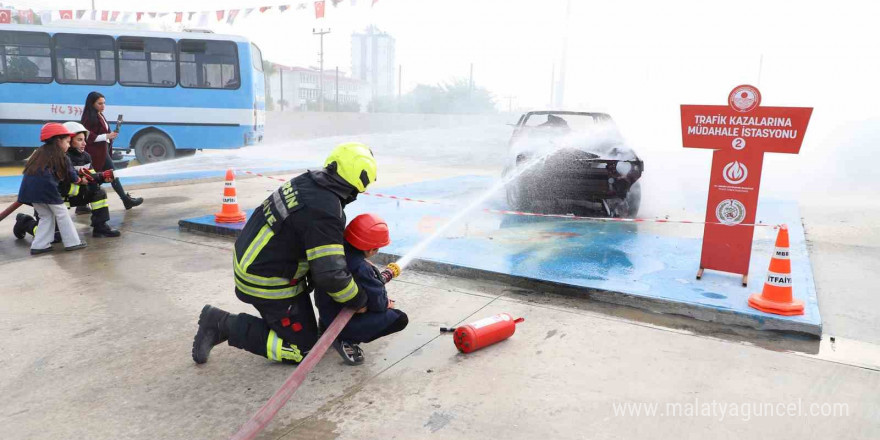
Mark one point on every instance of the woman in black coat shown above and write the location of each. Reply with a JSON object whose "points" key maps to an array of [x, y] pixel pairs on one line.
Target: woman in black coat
{"points": [[99, 144]]}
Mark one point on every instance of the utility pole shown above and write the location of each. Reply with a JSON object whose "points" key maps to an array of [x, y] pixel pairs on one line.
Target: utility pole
{"points": [[509, 99], [337, 88], [281, 79], [471, 81], [321, 64], [560, 86], [399, 80]]}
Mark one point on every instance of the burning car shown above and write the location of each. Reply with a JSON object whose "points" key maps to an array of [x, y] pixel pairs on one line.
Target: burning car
{"points": [[571, 162]]}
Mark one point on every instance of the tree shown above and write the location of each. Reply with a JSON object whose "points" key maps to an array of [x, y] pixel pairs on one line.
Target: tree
{"points": [[268, 70], [456, 96]]}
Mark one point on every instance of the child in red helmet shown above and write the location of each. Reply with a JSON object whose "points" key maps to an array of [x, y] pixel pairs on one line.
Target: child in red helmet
{"points": [[364, 236], [45, 171]]}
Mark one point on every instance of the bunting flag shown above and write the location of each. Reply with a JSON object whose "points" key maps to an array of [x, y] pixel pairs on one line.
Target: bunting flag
{"points": [[27, 16], [232, 14]]}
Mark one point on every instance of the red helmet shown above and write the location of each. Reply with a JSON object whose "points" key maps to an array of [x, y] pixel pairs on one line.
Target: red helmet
{"points": [[367, 231], [51, 130]]}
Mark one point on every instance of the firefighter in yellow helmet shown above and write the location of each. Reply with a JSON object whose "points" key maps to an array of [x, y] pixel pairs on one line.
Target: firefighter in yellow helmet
{"points": [[292, 243]]}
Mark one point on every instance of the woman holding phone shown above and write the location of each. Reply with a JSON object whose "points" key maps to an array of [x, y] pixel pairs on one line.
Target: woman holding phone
{"points": [[99, 144]]}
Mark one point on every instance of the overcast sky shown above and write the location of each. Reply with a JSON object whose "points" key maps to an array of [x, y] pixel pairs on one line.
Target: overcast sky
{"points": [[622, 55]]}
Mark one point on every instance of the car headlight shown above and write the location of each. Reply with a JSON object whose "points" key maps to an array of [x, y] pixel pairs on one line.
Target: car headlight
{"points": [[623, 168]]}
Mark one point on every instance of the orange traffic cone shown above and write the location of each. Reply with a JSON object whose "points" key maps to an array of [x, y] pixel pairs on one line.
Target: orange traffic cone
{"points": [[776, 297], [230, 213]]}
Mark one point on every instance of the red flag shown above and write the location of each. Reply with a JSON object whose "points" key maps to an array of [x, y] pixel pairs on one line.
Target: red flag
{"points": [[265, 8], [178, 17], [220, 15], [138, 15], [114, 16], [104, 15], [374, 3], [66, 14], [232, 14], [319, 9], [5, 15]]}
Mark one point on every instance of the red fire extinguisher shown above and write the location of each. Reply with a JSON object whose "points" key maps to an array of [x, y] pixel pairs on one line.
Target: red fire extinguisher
{"points": [[484, 332]]}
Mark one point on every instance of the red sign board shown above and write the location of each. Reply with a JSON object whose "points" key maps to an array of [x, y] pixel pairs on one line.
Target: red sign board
{"points": [[740, 133]]}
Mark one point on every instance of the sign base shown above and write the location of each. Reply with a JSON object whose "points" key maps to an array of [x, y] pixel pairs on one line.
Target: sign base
{"points": [[745, 278]]}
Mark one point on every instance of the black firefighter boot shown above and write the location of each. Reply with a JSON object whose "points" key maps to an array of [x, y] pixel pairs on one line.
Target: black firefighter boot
{"points": [[127, 200], [23, 224], [213, 330], [104, 230]]}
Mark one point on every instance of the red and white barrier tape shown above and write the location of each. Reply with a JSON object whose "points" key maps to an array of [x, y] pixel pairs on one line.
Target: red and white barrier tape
{"points": [[535, 214]]}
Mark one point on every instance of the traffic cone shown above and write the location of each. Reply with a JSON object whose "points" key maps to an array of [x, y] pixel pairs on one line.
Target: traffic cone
{"points": [[776, 297], [230, 213]]}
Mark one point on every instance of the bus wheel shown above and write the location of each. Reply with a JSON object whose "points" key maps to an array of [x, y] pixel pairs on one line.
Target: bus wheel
{"points": [[153, 147]]}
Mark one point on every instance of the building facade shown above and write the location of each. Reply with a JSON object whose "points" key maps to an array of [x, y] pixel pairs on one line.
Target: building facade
{"points": [[373, 61], [292, 88]]}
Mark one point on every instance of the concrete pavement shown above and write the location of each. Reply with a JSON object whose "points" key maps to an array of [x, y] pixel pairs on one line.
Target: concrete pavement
{"points": [[104, 353]]}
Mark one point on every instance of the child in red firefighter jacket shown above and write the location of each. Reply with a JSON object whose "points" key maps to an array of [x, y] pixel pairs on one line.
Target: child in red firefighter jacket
{"points": [[363, 238]]}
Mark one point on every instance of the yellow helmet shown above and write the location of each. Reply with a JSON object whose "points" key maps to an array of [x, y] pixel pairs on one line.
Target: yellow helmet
{"points": [[354, 163]]}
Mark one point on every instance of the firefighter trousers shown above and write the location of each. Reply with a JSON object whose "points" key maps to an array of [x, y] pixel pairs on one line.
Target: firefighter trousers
{"points": [[286, 331]]}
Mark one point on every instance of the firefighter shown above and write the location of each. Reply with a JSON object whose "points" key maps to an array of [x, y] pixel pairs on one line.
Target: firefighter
{"points": [[291, 243]]}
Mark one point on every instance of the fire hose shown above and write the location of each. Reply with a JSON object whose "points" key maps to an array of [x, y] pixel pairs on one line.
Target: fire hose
{"points": [[9, 210], [262, 418]]}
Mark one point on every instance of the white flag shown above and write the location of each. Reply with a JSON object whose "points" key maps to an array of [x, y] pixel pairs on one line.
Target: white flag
{"points": [[203, 19], [46, 16]]}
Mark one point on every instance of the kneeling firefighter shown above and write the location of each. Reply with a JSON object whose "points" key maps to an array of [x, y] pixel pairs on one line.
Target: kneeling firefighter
{"points": [[292, 243]]}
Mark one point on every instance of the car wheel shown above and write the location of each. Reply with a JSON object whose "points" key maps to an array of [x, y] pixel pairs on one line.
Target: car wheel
{"points": [[154, 147]]}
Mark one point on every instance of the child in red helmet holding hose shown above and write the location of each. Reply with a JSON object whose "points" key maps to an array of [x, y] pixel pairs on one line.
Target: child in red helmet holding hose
{"points": [[45, 171], [364, 236]]}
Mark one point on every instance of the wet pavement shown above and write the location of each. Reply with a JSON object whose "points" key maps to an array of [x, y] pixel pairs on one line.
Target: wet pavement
{"points": [[96, 344]]}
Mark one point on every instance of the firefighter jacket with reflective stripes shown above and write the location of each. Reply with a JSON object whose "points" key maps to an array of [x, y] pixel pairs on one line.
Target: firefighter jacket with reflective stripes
{"points": [[293, 242], [80, 160]]}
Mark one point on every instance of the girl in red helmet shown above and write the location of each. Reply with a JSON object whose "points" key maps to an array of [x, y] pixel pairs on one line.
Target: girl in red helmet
{"points": [[47, 169], [364, 236]]}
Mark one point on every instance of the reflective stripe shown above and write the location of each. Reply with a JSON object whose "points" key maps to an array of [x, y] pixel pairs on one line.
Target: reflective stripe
{"points": [[287, 292], [272, 346], [302, 268], [259, 242], [779, 279], [781, 253], [324, 251], [99, 204], [74, 190], [276, 351], [279, 205], [345, 294], [257, 279]]}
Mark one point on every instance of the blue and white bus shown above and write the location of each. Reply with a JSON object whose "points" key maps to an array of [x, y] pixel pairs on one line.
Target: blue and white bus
{"points": [[176, 91]]}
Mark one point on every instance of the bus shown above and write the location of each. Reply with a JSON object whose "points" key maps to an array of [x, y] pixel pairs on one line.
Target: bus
{"points": [[175, 92]]}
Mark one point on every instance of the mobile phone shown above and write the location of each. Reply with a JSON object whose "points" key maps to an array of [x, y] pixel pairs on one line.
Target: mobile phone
{"points": [[118, 123]]}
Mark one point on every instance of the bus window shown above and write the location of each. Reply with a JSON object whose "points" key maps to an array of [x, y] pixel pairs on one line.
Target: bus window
{"points": [[257, 57], [146, 62], [85, 59], [208, 64], [25, 57]]}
